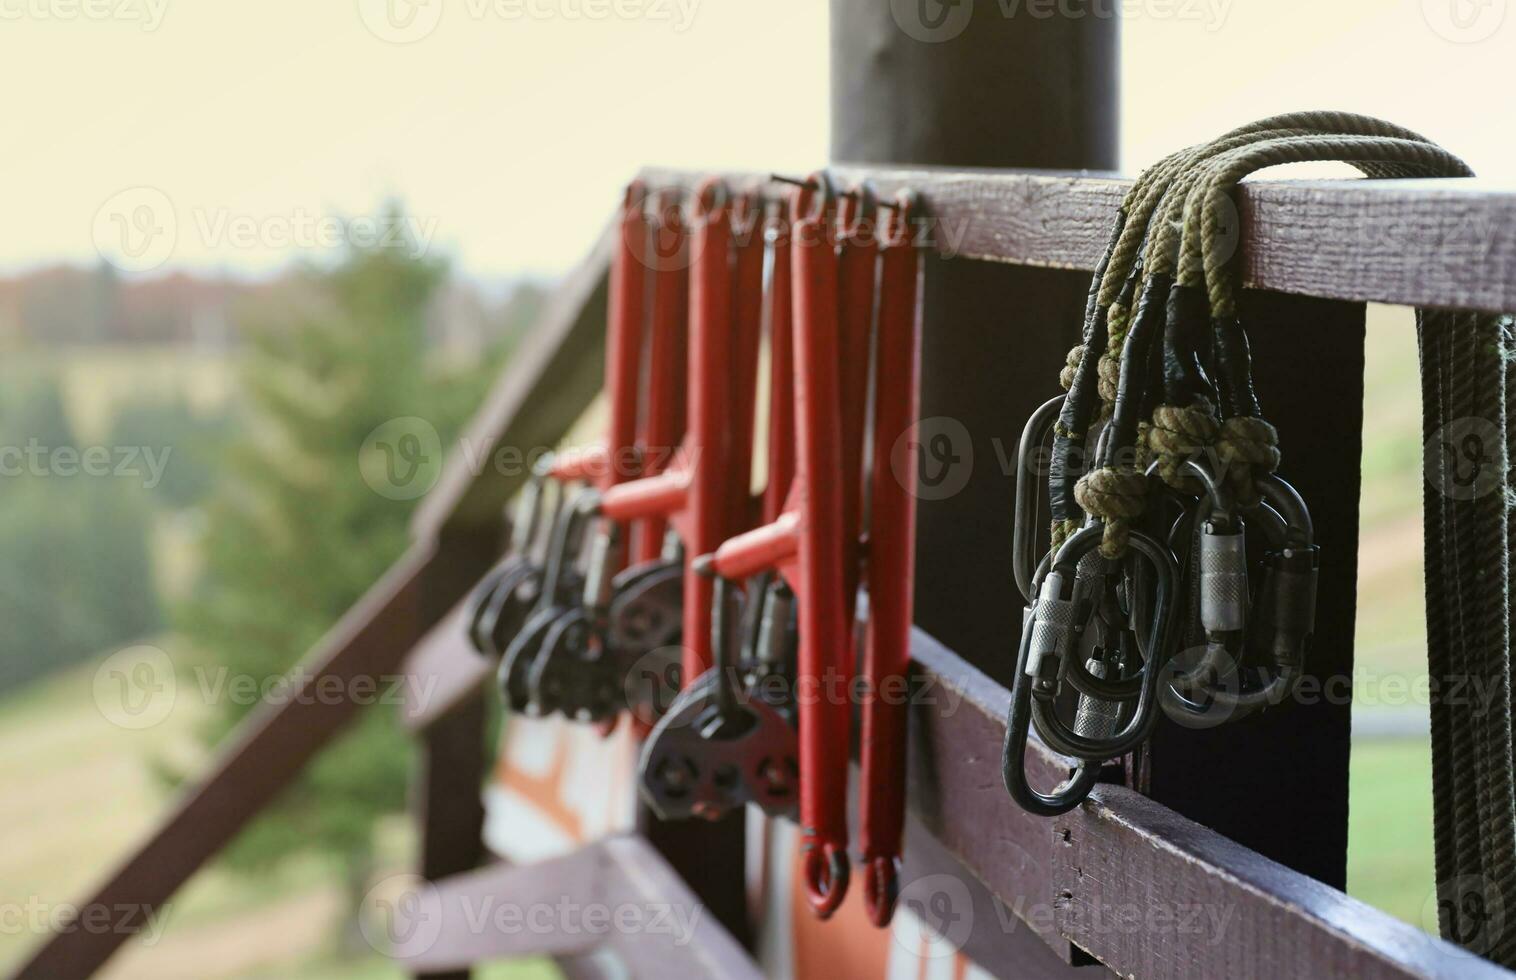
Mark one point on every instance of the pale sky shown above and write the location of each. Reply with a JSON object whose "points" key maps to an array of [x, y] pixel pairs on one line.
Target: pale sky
{"points": [[507, 127]]}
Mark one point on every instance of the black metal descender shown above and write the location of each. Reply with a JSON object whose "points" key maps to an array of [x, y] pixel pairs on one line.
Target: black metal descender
{"points": [[501, 602], [726, 741], [562, 582]]}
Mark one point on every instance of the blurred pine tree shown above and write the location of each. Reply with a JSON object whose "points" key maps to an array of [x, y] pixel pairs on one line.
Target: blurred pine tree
{"points": [[295, 534]]}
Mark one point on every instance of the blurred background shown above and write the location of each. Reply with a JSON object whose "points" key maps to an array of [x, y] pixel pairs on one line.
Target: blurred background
{"points": [[239, 237]]}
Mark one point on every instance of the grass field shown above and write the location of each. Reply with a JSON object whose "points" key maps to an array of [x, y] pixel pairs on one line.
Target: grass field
{"points": [[1390, 828], [90, 794]]}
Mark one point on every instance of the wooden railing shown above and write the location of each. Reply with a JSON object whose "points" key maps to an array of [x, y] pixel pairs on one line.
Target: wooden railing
{"points": [[1430, 243]]}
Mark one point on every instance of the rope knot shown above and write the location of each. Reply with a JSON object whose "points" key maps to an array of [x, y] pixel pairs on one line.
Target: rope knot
{"points": [[1178, 433], [1110, 375], [1115, 495], [1247, 444], [1071, 366]]}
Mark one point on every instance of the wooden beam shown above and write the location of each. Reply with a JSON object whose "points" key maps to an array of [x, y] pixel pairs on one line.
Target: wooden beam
{"points": [[260, 758], [1147, 892], [1441, 243], [446, 673], [615, 901], [550, 381]]}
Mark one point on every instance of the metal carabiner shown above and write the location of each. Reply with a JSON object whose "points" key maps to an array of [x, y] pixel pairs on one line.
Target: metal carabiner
{"points": [[1237, 625], [574, 672], [1082, 779], [1051, 648], [1278, 624], [497, 600], [1026, 533]]}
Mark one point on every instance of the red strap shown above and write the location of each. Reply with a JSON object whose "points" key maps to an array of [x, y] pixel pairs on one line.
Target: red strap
{"points": [[890, 571], [824, 646], [663, 422]]}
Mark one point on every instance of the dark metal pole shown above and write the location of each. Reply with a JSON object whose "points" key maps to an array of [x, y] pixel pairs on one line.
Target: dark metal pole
{"points": [[993, 83], [987, 84]]}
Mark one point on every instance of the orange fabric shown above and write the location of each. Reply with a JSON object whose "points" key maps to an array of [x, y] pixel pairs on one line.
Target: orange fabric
{"points": [[544, 793]]}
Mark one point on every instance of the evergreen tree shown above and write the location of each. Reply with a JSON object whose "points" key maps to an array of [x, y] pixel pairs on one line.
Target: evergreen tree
{"points": [[295, 535]]}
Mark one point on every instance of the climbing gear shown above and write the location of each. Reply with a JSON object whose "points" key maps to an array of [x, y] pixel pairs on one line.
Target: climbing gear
{"points": [[890, 563], [663, 419], [551, 635], [500, 603], [1161, 387], [808, 556], [693, 494], [805, 546], [562, 582], [1166, 362], [719, 747]]}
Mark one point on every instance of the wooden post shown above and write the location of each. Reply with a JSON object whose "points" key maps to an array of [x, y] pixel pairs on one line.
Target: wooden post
{"points": [[1278, 782], [452, 760]]}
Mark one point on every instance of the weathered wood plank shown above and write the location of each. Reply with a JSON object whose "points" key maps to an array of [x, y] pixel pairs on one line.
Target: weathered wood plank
{"points": [[954, 905], [1441, 243], [1144, 890], [445, 672], [616, 899], [259, 760]]}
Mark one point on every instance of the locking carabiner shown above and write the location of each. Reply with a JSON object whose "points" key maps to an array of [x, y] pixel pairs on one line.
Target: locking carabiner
{"points": [[1052, 648], [561, 584], [1275, 626], [1072, 791], [499, 602], [1025, 530]]}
